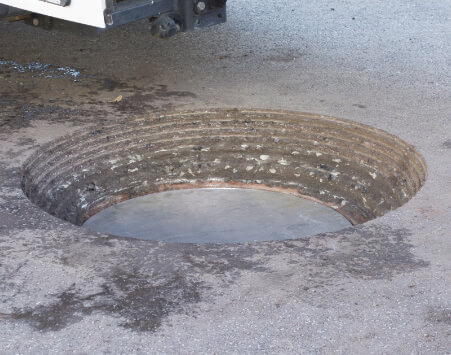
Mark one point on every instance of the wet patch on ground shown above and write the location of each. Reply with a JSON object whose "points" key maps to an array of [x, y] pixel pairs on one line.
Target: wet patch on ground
{"points": [[142, 101], [36, 91], [157, 280], [369, 252], [139, 303], [17, 115]]}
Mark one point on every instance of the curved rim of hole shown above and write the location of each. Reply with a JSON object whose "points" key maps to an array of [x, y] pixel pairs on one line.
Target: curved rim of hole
{"points": [[357, 135]]}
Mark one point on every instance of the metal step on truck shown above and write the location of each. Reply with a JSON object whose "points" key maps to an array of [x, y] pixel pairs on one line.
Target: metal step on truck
{"points": [[168, 17]]}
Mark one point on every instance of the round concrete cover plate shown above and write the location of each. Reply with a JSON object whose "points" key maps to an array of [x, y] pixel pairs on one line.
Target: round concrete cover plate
{"points": [[217, 216]]}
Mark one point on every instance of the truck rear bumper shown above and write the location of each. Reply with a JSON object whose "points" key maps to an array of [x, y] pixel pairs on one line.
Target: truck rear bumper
{"points": [[182, 11]]}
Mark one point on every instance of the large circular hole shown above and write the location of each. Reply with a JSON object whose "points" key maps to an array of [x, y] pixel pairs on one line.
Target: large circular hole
{"points": [[359, 171]]}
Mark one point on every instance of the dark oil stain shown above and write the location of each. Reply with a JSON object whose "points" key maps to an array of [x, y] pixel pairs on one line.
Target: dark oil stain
{"points": [[447, 144], [142, 101], [143, 300], [140, 303], [55, 316], [110, 84], [283, 56], [359, 105], [17, 111], [373, 253], [15, 115], [439, 315]]}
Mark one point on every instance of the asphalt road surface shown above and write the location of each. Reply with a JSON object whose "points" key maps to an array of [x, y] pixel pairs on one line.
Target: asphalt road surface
{"points": [[381, 287]]}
